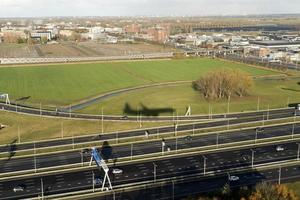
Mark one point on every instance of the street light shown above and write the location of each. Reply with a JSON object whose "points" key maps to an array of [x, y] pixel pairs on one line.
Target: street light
{"points": [[252, 158], [204, 165], [163, 144], [298, 152], [279, 175], [154, 171]]}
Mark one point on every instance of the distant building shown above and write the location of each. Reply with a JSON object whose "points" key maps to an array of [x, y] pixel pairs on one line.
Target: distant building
{"points": [[40, 35], [271, 44], [66, 33], [158, 34], [133, 29], [11, 36]]}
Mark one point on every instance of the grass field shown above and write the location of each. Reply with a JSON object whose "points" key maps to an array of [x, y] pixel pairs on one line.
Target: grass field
{"points": [[65, 84], [271, 93]]}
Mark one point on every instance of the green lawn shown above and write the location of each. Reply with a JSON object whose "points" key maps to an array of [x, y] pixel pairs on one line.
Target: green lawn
{"points": [[65, 84], [271, 93]]}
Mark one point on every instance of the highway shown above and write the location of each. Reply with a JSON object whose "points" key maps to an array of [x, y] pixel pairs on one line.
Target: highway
{"points": [[240, 118], [183, 189], [127, 150], [166, 167], [19, 108]]}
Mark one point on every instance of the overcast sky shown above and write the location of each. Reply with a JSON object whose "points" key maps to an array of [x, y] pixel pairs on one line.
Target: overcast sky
{"points": [[35, 8]]}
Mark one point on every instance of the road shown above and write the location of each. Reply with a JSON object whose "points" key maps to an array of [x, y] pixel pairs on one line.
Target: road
{"points": [[144, 148], [240, 118], [167, 167]]}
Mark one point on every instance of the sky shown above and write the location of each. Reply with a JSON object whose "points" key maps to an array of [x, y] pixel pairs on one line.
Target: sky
{"points": [[41, 8]]}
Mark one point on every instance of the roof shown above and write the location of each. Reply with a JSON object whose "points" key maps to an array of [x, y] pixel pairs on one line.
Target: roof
{"points": [[275, 42]]}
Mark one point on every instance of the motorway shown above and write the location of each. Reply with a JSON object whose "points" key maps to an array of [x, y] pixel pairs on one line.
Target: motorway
{"points": [[179, 166], [183, 189], [144, 148], [240, 118]]}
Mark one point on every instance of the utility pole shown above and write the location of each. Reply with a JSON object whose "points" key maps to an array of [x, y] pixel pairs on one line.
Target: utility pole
{"points": [[163, 144], [62, 129], [217, 142], [193, 129], [102, 118], [154, 172], [298, 152], [257, 103], [256, 132], [34, 151], [268, 113], [176, 144], [173, 190], [42, 188], [204, 165], [81, 153], [19, 136], [279, 175], [41, 109], [228, 103], [93, 180], [70, 111], [131, 150], [252, 158]]}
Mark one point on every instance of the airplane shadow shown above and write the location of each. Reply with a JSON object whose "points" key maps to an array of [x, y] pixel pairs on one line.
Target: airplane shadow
{"points": [[145, 111]]}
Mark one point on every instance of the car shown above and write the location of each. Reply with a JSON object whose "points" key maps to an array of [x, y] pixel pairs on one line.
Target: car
{"points": [[279, 148], [117, 171], [233, 178], [85, 151], [124, 117], [244, 156], [188, 138], [98, 181], [19, 188], [260, 129]]}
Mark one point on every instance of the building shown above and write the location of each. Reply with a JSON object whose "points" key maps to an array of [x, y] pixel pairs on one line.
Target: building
{"points": [[66, 33], [158, 34], [276, 44], [39, 35], [132, 29]]}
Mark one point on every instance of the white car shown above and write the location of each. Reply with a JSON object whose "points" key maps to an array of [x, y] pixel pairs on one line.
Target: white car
{"points": [[117, 171], [18, 188], [279, 148], [233, 178]]}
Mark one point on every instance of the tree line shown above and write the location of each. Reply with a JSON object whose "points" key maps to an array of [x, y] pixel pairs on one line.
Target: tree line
{"points": [[224, 83]]}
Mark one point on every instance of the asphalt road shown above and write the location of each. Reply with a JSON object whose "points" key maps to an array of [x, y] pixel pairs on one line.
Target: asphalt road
{"points": [[126, 150], [240, 118], [183, 189], [180, 166]]}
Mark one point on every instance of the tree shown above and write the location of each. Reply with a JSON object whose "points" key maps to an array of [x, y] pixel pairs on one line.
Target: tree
{"points": [[44, 40], [265, 191], [224, 83]]}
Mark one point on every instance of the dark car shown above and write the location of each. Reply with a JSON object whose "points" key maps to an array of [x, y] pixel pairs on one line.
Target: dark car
{"points": [[124, 117], [188, 138]]}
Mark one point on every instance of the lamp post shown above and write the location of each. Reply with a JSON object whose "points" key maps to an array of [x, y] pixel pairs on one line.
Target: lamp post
{"points": [[154, 171], [204, 165], [252, 158]]}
